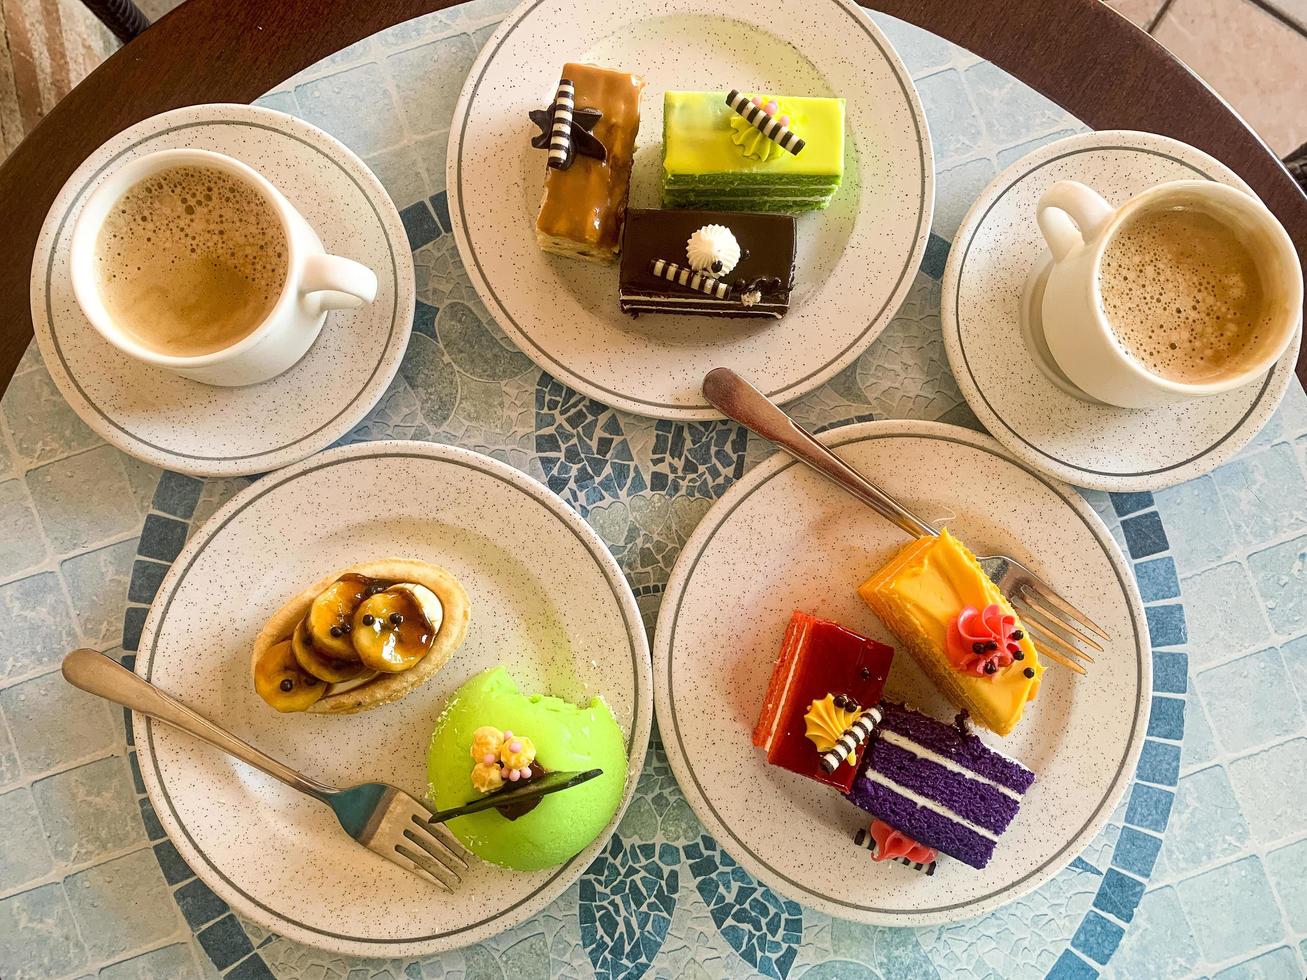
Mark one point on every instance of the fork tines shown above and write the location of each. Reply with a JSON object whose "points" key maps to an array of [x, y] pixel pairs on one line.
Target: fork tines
{"points": [[428, 850], [1056, 637]]}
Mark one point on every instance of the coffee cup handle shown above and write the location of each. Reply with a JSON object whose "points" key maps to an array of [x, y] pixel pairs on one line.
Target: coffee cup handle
{"points": [[339, 283], [1070, 214]]}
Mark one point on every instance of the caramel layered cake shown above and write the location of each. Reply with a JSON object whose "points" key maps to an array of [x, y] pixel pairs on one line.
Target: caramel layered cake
{"points": [[742, 151], [816, 715], [959, 628], [937, 784], [711, 263], [589, 132]]}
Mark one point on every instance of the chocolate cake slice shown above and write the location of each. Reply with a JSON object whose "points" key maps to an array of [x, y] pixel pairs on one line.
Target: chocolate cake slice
{"points": [[709, 263], [938, 784]]}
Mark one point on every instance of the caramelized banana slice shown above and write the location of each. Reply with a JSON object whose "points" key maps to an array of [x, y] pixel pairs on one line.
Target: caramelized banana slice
{"points": [[331, 616], [394, 629], [280, 681], [312, 661]]}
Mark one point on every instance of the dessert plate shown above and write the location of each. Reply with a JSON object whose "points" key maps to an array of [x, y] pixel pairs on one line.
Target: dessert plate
{"points": [[1028, 408], [189, 427], [783, 539], [280, 858], [855, 261]]}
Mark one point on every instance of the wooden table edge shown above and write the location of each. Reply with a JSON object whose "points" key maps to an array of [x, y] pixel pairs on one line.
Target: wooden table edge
{"points": [[1080, 54]]}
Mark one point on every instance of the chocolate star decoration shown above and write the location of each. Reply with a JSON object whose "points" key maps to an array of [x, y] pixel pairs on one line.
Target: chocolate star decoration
{"points": [[583, 142]]}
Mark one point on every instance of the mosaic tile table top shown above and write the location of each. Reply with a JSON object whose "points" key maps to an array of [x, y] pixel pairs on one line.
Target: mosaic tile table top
{"points": [[1201, 872]]}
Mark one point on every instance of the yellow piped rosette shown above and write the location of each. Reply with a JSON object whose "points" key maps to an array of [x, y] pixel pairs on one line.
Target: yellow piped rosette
{"points": [[750, 141], [825, 723]]}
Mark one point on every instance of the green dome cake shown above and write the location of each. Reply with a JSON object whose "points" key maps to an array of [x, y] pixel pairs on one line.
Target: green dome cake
{"points": [[490, 710]]}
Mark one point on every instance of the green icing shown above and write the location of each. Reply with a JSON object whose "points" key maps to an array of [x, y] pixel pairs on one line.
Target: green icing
{"points": [[566, 737]]}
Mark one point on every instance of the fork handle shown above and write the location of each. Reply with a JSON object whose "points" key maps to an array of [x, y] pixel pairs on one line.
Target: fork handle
{"points": [[737, 399], [104, 677]]}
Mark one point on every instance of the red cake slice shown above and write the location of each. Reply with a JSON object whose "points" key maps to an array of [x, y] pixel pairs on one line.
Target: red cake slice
{"points": [[818, 658]]}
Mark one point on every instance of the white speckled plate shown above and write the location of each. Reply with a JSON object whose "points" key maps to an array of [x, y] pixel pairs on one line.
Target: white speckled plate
{"points": [[856, 260], [1084, 443], [548, 602], [783, 539], [189, 427]]}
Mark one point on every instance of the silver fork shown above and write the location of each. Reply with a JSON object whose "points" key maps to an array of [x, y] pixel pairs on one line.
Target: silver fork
{"points": [[1056, 627], [384, 819]]}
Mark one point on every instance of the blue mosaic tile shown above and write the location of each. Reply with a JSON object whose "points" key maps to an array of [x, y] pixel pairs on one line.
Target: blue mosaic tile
{"points": [[35, 609], [424, 319], [1280, 574], [1222, 608], [1097, 937], [935, 257], [137, 782], [24, 855], [1149, 807], [1295, 662], [1130, 503], [1272, 803], [251, 968], [1119, 895], [1250, 701], [755, 922], [170, 862], [700, 459], [89, 811], [1206, 902], [1011, 111], [1287, 868], [169, 963], [38, 936], [1069, 966], [1159, 943], [1253, 489], [440, 206], [1197, 524], [147, 576], [955, 129], [225, 942], [331, 103], [53, 724], [162, 538], [177, 495], [133, 624], [419, 225], [199, 904], [1159, 762], [122, 905], [1144, 535], [1275, 965], [1166, 625], [1136, 852], [582, 447], [1157, 579], [1166, 720], [627, 897], [153, 829], [1170, 672]]}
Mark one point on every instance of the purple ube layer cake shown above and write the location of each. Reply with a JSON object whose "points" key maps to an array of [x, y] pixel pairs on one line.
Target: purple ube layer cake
{"points": [[942, 787]]}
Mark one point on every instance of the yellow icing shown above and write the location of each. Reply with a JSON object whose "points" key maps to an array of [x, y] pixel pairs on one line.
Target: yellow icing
{"points": [[750, 141], [918, 594], [825, 723]]}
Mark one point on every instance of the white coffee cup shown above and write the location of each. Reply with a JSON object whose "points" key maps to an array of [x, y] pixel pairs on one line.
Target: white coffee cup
{"points": [[315, 282], [1077, 223]]}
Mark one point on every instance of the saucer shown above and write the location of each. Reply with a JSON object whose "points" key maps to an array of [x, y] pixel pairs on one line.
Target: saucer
{"points": [[199, 429], [855, 262], [783, 538], [1022, 397], [548, 602]]}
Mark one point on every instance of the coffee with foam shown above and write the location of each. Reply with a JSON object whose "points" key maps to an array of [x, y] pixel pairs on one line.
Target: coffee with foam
{"points": [[190, 261], [1182, 291]]}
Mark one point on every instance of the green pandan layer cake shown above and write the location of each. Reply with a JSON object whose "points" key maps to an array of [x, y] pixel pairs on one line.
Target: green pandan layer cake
{"points": [[520, 732], [715, 158]]}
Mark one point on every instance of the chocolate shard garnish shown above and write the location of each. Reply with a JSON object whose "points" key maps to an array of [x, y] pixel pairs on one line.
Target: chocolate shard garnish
{"points": [[567, 134]]}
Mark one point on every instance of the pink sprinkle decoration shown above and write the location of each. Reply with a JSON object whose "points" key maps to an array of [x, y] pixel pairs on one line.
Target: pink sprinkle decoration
{"points": [[514, 746], [784, 120], [513, 775], [770, 108], [488, 758], [755, 101], [507, 734]]}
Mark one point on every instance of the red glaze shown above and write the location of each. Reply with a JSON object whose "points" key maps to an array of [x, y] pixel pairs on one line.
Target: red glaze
{"points": [[817, 658]]}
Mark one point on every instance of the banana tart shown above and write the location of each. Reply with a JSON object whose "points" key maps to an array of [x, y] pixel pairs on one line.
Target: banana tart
{"points": [[360, 638]]}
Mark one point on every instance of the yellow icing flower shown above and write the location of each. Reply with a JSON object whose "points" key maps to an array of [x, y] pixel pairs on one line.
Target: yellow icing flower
{"points": [[517, 752], [751, 142], [487, 777], [486, 741], [825, 723]]}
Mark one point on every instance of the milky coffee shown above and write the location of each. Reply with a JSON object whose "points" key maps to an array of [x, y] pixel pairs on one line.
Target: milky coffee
{"points": [[190, 260], [1183, 294]]}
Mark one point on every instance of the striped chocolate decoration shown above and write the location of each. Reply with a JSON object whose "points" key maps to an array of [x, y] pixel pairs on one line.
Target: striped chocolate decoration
{"points": [[864, 839], [853, 736], [560, 140], [688, 277], [782, 136]]}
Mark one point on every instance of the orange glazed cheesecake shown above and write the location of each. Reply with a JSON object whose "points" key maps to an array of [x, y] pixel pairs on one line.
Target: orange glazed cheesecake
{"points": [[959, 628]]}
